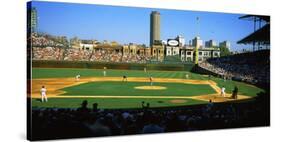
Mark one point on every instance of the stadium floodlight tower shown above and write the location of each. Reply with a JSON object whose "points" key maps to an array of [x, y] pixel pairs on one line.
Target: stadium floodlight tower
{"points": [[32, 19]]}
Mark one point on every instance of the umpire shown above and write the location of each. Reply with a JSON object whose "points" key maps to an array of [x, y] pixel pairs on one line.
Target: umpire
{"points": [[235, 93]]}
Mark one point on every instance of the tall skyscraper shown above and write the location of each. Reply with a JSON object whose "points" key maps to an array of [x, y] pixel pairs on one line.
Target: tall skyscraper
{"points": [[210, 43], [181, 40], [225, 44], [197, 42], [154, 27]]}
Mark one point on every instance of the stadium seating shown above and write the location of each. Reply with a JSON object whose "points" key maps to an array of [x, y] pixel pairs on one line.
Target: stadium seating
{"points": [[252, 67], [47, 47], [70, 54]]}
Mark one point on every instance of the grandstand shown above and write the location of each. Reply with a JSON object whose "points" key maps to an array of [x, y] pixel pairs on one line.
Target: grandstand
{"points": [[261, 34], [46, 47], [252, 67]]}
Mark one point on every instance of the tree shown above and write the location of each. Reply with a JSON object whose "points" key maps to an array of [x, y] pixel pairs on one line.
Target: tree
{"points": [[224, 51]]}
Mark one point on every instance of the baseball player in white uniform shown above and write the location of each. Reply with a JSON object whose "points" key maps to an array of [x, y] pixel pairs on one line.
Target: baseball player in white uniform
{"points": [[186, 76], [43, 94], [223, 91], [77, 77], [104, 71]]}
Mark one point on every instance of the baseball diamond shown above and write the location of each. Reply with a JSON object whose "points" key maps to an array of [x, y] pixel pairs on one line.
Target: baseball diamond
{"points": [[112, 92]]}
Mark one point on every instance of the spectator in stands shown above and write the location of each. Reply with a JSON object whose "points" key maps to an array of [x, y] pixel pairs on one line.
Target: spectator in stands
{"points": [[152, 126], [99, 129], [84, 108], [95, 107]]}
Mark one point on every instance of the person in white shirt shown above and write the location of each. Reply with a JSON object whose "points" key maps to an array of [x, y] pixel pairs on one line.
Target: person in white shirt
{"points": [[77, 77], [223, 91], [43, 94], [186, 76]]}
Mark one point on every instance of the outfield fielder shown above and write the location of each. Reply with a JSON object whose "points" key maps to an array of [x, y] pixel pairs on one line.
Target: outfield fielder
{"points": [[43, 94], [186, 76], [104, 71]]}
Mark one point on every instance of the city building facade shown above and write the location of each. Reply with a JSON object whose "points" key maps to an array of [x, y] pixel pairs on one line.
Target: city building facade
{"points": [[210, 43], [187, 53], [225, 44]]}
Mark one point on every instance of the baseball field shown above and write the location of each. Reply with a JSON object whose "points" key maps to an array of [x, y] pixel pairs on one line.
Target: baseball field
{"points": [[168, 88]]}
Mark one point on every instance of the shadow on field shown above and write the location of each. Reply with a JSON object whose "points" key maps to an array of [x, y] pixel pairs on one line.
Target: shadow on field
{"points": [[38, 100]]}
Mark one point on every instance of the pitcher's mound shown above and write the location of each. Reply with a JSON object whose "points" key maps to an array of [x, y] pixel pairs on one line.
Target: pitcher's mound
{"points": [[151, 87]]}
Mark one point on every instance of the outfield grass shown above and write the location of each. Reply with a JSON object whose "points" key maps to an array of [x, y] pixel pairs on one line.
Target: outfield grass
{"points": [[127, 89], [65, 72], [110, 103]]}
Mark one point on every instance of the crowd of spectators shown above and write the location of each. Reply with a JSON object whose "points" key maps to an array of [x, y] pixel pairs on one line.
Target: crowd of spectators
{"points": [[106, 56], [44, 40], [77, 55], [71, 54], [253, 67], [48, 47], [47, 53], [51, 123], [135, 58]]}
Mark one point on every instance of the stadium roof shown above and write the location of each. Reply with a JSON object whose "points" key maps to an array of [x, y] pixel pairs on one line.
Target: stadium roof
{"points": [[261, 35], [257, 17]]}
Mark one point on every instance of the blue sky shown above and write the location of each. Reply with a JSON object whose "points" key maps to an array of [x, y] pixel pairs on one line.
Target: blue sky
{"points": [[131, 24]]}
